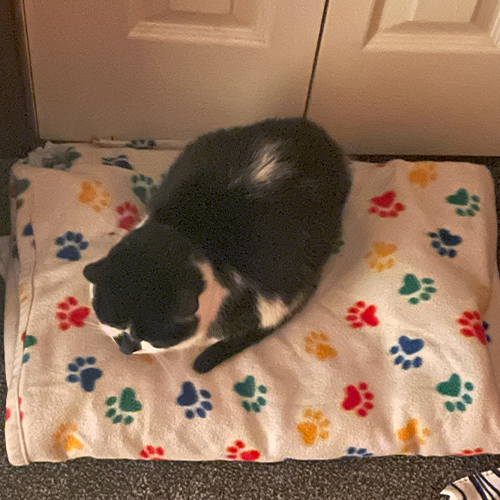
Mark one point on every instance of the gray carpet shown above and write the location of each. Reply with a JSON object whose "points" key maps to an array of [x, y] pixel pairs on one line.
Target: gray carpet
{"points": [[392, 478]]}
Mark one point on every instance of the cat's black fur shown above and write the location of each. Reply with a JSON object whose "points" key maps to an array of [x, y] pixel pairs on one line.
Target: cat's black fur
{"points": [[262, 205]]}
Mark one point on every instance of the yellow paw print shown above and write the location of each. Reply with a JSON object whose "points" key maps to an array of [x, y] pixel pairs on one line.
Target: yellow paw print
{"points": [[423, 173], [380, 256], [318, 344], [412, 436], [64, 438], [23, 295], [313, 426], [94, 194]]}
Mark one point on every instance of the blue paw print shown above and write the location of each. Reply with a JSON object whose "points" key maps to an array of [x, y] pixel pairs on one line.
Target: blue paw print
{"points": [[82, 370], [28, 229], [118, 161], [442, 240], [71, 245], [407, 347], [197, 402], [353, 452]]}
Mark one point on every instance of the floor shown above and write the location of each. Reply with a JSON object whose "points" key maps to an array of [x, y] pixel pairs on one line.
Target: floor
{"points": [[392, 478]]}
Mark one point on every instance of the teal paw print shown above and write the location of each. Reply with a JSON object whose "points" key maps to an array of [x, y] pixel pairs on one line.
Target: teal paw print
{"points": [[467, 205], [337, 245], [143, 187], [452, 388], [126, 403], [416, 289], [251, 394]]}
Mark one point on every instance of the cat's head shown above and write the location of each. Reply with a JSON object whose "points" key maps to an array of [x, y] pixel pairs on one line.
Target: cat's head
{"points": [[148, 285]]}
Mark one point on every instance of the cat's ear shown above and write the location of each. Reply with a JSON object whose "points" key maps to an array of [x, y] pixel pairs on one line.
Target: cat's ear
{"points": [[93, 272]]}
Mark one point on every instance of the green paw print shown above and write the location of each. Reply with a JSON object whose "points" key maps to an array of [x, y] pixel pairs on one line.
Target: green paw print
{"points": [[453, 389], [127, 403], [463, 199], [251, 394], [417, 289], [143, 187]]}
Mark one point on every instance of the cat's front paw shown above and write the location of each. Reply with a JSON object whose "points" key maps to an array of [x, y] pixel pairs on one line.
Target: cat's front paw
{"points": [[204, 363]]}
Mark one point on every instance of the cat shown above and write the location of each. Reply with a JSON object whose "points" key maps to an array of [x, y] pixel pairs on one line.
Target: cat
{"points": [[261, 205]]}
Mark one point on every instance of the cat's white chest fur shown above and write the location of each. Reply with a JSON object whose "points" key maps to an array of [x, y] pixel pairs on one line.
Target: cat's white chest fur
{"points": [[209, 303]]}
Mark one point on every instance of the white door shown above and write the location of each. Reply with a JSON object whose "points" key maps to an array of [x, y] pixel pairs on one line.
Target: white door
{"points": [[167, 68], [410, 76]]}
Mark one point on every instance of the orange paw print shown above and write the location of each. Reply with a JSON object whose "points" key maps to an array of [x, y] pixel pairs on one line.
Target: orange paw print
{"points": [[313, 426], [412, 436], [423, 173], [64, 438], [380, 256], [318, 344], [94, 194]]}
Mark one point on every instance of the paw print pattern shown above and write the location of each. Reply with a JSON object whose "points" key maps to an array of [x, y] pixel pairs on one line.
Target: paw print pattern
{"points": [[338, 244], [361, 315], [83, 371], [65, 438], [129, 216], [150, 452], [121, 408], [417, 290], [313, 426], [251, 394], [93, 194], [353, 452], [318, 345], [196, 403], [358, 399], [468, 452], [28, 341], [443, 241], [473, 326], [467, 205], [238, 451], [143, 187], [17, 188], [141, 144], [452, 388], [404, 349], [118, 161], [69, 313], [423, 173], [386, 205], [71, 245], [380, 257], [412, 436]]}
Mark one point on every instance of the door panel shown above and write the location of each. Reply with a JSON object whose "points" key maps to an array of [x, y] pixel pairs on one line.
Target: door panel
{"points": [[410, 77], [167, 69]]}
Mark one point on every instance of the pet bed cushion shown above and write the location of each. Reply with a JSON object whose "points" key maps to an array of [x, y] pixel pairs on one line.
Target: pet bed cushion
{"points": [[396, 353]]}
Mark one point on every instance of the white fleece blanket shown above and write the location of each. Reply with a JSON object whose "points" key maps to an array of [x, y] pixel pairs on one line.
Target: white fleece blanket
{"points": [[395, 354]]}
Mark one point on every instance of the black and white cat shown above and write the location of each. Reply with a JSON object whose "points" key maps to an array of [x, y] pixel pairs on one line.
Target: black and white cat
{"points": [[261, 205]]}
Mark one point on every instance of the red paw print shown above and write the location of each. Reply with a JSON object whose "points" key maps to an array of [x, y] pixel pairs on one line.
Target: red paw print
{"points": [[468, 452], [152, 453], [361, 314], [128, 216], [8, 412], [70, 314], [473, 326], [386, 205], [237, 452], [358, 399]]}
